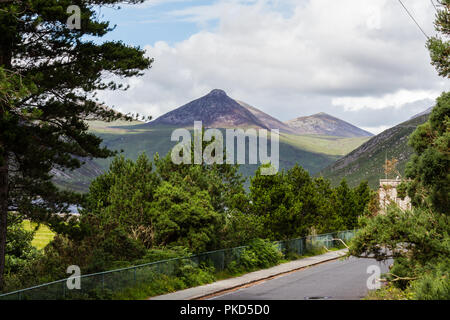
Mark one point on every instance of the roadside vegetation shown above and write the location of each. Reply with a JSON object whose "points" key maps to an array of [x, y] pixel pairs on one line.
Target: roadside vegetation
{"points": [[419, 239], [144, 211], [259, 255]]}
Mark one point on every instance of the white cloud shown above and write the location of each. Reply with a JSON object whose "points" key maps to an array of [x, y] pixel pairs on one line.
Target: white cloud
{"points": [[376, 130], [390, 100], [150, 3], [347, 54]]}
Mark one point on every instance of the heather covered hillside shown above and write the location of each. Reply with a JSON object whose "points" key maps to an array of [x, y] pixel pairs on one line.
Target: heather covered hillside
{"points": [[366, 162]]}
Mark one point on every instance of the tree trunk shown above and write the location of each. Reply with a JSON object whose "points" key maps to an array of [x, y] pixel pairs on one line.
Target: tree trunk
{"points": [[5, 61], [3, 214]]}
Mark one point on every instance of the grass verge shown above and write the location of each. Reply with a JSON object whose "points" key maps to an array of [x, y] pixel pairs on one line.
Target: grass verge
{"points": [[43, 234]]}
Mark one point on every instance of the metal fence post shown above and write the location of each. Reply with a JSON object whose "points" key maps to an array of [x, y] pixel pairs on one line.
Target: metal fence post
{"points": [[223, 260]]}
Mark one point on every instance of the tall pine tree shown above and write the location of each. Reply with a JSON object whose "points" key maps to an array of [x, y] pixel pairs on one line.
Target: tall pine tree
{"points": [[48, 76]]}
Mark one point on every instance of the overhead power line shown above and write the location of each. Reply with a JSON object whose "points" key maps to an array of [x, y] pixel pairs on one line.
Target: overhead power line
{"points": [[432, 2], [415, 21]]}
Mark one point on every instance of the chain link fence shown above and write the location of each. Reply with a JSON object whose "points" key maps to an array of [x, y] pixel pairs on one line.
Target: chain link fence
{"points": [[97, 284]]}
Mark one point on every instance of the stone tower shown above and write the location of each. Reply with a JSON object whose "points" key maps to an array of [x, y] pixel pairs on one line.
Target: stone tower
{"points": [[388, 193]]}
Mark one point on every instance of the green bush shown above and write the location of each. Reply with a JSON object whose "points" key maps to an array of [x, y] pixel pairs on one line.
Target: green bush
{"points": [[390, 292], [153, 255], [241, 227], [19, 250], [194, 276], [433, 285], [418, 242], [259, 254]]}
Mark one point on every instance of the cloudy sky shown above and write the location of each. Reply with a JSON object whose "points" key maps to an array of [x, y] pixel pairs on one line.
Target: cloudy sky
{"points": [[364, 61]]}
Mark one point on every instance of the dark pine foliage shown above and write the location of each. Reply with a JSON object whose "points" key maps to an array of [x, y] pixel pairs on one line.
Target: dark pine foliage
{"points": [[49, 74]]}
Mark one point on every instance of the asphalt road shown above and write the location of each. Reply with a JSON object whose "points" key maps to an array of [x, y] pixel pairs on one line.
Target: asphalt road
{"points": [[335, 280]]}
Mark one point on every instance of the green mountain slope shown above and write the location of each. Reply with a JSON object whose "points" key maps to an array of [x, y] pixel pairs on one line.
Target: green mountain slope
{"points": [[366, 162], [217, 110], [313, 152]]}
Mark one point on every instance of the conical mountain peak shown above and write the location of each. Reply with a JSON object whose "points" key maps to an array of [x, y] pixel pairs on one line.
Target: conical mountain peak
{"points": [[218, 93], [215, 110]]}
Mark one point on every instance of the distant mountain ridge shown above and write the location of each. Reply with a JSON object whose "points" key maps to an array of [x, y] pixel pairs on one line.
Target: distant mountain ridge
{"points": [[366, 161], [427, 111], [218, 110], [325, 124], [215, 110], [267, 120]]}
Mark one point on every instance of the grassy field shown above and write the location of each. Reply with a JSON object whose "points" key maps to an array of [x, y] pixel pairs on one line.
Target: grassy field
{"points": [[43, 235], [115, 127], [334, 146]]}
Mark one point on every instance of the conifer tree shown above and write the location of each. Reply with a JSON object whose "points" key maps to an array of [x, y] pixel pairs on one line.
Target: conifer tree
{"points": [[49, 73]]}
